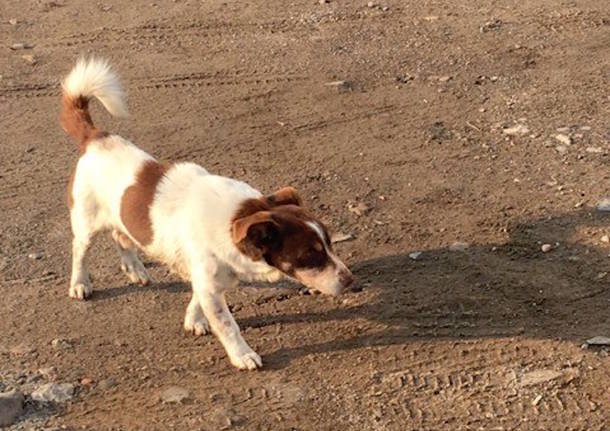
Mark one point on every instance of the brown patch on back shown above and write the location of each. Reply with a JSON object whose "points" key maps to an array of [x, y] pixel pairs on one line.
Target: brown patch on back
{"points": [[137, 199], [76, 121]]}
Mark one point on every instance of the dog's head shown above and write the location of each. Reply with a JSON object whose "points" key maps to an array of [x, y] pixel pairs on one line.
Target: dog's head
{"points": [[278, 230]]}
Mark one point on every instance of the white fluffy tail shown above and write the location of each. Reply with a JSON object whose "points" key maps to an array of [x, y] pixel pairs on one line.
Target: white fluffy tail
{"points": [[94, 77]]}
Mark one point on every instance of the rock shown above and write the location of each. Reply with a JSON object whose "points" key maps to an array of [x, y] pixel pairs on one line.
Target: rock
{"points": [[359, 209], [564, 139], [340, 85], [519, 129], [21, 45], [539, 376], [30, 58], [371, 4], [599, 340], [415, 255], [48, 372], [13, 21], [11, 406], [546, 248], [35, 256], [561, 149], [86, 381], [340, 237], [491, 25], [323, 1], [444, 78], [174, 394], [58, 343], [106, 384], [54, 392], [594, 150], [603, 205], [459, 246], [605, 238], [537, 400]]}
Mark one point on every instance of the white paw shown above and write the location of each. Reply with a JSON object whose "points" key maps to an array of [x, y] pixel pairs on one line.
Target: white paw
{"points": [[247, 361], [198, 326], [135, 271], [80, 290]]}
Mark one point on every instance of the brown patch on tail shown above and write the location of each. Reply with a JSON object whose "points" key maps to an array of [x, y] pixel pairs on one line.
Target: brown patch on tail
{"points": [[137, 199], [76, 121]]}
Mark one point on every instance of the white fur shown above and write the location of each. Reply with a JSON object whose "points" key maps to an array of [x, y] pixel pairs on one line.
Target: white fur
{"points": [[191, 217], [95, 78]]}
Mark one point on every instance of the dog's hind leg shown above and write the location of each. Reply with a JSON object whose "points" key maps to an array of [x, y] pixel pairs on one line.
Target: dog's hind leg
{"points": [[83, 218], [194, 320], [131, 265]]}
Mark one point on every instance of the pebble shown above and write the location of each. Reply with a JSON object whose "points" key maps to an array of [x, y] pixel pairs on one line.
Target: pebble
{"points": [[11, 406], [605, 238], [546, 248], [323, 1], [358, 209], [340, 85], [594, 150], [86, 381], [459, 246], [415, 255], [564, 139], [603, 205], [537, 400], [174, 394], [13, 21], [20, 45], [561, 149], [371, 4], [58, 343], [539, 376], [599, 340], [35, 256], [48, 372], [519, 129], [54, 392], [30, 58], [340, 237], [444, 78]]}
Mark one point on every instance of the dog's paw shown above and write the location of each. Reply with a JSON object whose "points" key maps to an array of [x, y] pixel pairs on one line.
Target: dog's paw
{"points": [[80, 291], [197, 327], [247, 361], [135, 271]]}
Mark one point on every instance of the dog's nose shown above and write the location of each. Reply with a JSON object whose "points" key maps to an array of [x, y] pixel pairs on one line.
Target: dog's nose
{"points": [[346, 278]]}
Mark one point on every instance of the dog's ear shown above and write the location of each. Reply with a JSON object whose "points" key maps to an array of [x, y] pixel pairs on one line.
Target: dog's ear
{"points": [[284, 196], [255, 234]]}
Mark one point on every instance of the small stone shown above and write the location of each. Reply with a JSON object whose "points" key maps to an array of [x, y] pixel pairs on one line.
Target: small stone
{"points": [[519, 129], [371, 4], [323, 1], [54, 392], [385, 8], [431, 18], [445, 78], [415, 255], [48, 372], [585, 128], [459, 246], [358, 209], [35, 256], [561, 149], [13, 21], [539, 376], [58, 343], [86, 381], [603, 205], [537, 400], [20, 45], [30, 58], [106, 384], [11, 406], [564, 139], [594, 150], [546, 248], [340, 237], [174, 394], [340, 85], [599, 340], [605, 238]]}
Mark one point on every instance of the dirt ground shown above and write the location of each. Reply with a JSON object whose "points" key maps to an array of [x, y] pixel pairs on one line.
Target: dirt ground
{"points": [[459, 121]]}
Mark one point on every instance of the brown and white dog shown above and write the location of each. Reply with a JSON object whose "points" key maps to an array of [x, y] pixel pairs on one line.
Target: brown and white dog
{"points": [[209, 229]]}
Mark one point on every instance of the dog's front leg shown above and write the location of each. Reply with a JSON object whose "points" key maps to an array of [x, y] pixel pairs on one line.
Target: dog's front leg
{"points": [[210, 280]]}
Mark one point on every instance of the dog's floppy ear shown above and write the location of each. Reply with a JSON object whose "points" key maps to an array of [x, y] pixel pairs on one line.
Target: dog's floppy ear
{"points": [[254, 234], [284, 196]]}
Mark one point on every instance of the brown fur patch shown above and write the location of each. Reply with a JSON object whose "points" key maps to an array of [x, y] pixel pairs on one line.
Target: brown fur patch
{"points": [[137, 199], [284, 196], [76, 121], [279, 235]]}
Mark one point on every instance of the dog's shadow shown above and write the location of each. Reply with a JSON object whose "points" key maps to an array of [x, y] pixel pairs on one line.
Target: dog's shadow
{"points": [[484, 291]]}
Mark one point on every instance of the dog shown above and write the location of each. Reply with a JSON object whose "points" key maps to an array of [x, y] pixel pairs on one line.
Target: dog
{"points": [[209, 229]]}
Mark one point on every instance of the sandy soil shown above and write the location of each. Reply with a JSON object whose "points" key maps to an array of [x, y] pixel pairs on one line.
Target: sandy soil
{"points": [[411, 154]]}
